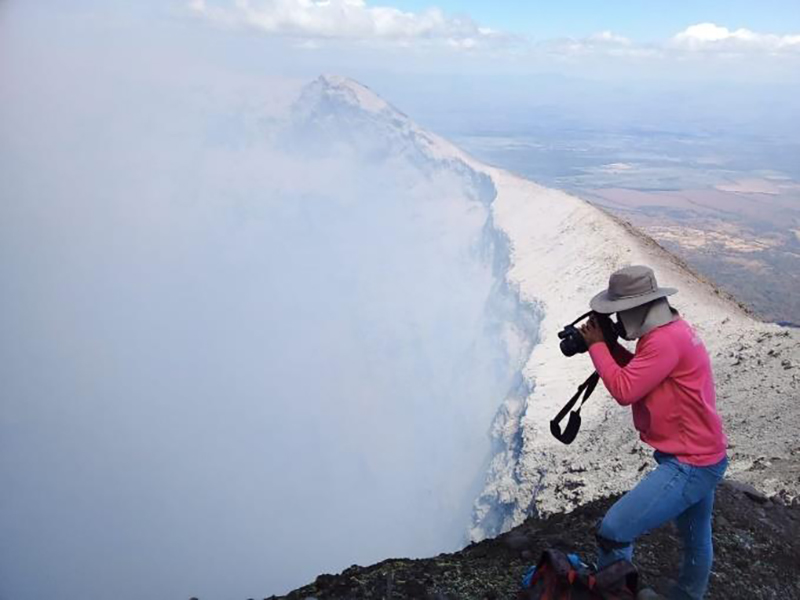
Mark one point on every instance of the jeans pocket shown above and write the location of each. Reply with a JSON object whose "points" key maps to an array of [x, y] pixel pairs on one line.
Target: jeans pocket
{"points": [[701, 481]]}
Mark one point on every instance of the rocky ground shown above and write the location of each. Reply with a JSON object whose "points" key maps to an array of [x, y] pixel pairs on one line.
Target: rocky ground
{"points": [[758, 389], [757, 545]]}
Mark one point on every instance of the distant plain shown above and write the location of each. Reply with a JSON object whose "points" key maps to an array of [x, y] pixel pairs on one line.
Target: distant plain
{"points": [[727, 203]]}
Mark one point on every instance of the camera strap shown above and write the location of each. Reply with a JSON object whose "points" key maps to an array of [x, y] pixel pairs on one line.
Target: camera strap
{"points": [[574, 424]]}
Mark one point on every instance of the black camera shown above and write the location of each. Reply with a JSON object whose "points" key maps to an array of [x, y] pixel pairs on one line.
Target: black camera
{"points": [[572, 341]]}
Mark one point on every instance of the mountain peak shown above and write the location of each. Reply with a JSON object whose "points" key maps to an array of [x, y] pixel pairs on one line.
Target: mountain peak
{"points": [[350, 91], [346, 109]]}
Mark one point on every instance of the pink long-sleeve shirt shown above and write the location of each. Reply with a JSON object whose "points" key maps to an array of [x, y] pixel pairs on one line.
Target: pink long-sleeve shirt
{"points": [[669, 385]]}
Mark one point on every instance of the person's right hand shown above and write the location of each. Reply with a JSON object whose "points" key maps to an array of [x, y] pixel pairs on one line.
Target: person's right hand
{"points": [[591, 332]]}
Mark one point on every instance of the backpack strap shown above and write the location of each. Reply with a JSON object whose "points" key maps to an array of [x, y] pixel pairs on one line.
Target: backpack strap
{"points": [[557, 560]]}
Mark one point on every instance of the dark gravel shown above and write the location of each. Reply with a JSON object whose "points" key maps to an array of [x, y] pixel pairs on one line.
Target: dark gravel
{"points": [[757, 556]]}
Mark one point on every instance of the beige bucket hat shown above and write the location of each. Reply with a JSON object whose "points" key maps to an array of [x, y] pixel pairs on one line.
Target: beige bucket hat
{"points": [[629, 287]]}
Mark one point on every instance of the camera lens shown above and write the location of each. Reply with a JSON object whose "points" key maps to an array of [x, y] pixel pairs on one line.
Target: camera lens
{"points": [[572, 341], [566, 348]]}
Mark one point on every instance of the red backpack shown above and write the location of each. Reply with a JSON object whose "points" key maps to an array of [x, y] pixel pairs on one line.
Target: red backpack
{"points": [[557, 578]]}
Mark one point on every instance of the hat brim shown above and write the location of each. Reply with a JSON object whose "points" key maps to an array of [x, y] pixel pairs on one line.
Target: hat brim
{"points": [[603, 304]]}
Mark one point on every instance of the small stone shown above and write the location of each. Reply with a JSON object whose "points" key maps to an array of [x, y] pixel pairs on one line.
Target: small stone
{"points": [[516, 541], [748, 490], [324, 580], [415, 589], [526, 554]]}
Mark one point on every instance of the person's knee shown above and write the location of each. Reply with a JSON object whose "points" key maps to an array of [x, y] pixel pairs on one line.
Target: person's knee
{"points": [[610, 535]]}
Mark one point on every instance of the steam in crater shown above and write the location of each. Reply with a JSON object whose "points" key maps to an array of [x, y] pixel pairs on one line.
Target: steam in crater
{"points": [[244, 351]]}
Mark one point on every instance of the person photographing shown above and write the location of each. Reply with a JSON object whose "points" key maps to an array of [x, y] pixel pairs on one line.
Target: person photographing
{"points": [[669, 385]]}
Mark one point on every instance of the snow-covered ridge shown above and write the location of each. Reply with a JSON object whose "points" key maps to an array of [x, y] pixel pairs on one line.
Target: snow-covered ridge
{"points": [[331, 96], [560, 251], [353, 93]]}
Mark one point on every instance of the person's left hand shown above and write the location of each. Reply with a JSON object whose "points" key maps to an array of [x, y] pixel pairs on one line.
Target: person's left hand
{"points": [[591, 332]]}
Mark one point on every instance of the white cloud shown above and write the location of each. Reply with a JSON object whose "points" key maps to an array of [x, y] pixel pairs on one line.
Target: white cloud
{"points": [[311, 23], [706, 38], [709, 36], [344, 19], [603, 43], [608, 37]]}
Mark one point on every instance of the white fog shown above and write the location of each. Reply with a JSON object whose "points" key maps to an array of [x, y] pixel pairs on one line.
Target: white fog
{"points": [[240, 347]]}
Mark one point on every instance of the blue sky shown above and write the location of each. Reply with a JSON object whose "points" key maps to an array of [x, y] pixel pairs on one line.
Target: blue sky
{"points": [[642, 21], [649, 21], [622, 29]]}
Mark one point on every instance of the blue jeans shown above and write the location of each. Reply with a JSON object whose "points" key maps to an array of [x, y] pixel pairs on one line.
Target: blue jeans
{"points": [[673, 491]]}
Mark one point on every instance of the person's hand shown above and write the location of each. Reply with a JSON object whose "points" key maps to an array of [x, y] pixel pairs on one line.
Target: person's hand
{"points": [[591, 332]]}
